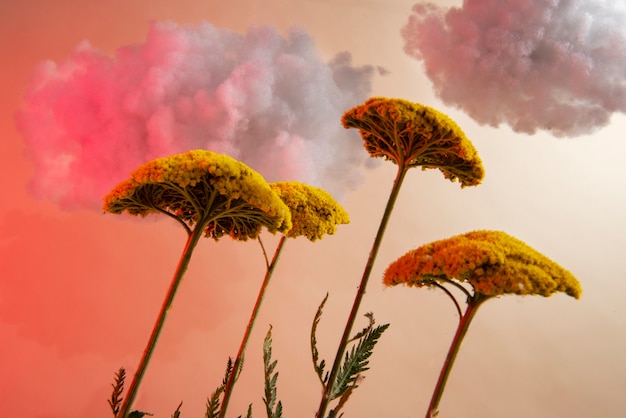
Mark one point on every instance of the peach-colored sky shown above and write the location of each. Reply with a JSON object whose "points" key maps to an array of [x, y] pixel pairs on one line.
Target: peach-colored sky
{"points": [[79, 290]]}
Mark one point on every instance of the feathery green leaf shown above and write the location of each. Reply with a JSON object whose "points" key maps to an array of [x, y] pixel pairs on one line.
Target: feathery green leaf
{"points": [[344, 398], [118, 388], [270, 379], [357, 359], [358, 335], [213, 402]]}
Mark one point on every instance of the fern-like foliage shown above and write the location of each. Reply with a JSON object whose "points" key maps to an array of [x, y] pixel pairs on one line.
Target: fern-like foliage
{"points": [[357, 358], [270, 379], [372, 321], [249, 414], [355, 362], [318, 364], [213, 401], [118, 388], [139, 414], [343, 399], [176, 413]]}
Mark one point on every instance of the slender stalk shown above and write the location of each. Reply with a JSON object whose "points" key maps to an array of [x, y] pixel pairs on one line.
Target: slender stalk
{"points": [[326, 396], [230, 384], [464, 323], [267, 261], [451, 296], [183, 263]]}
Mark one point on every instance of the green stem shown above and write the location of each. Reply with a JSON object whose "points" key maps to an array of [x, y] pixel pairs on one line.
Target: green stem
{"points": [[464, 323], [183, 263], [244, 342], [326, 396]]}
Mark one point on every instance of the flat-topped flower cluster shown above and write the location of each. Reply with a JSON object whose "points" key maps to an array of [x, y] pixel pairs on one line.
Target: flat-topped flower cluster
{"points": [[204, 187], [411, 134], [314, 212], [492, 262]]}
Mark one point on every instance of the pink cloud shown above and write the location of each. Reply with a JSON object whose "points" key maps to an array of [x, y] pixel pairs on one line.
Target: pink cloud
{"points": [[535, 65], [90, 120]]}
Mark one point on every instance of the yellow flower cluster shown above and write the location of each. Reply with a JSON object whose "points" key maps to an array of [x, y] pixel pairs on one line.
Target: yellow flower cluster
{"points": [[411, 134], [314, 212], [202, 187], [493, 262]]}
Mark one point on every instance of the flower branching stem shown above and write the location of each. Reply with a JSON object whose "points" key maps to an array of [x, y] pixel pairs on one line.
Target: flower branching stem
{"points": [[473, 304], [176, 218], [402, 170], [454, 283], [451, 296], [255, 311], [267, 261], [192, 240]]}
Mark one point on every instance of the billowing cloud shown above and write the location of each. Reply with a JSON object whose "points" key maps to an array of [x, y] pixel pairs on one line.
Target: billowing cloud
{"points": [[264, 98], [554, 65]]}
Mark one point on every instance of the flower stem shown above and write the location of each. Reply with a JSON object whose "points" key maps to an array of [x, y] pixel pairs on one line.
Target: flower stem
{"points": [[183, 263], [472, 306], [244, 342], [326, 396]]}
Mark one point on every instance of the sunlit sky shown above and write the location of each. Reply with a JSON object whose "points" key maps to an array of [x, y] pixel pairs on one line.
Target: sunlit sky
{"points": [[79, 290]]}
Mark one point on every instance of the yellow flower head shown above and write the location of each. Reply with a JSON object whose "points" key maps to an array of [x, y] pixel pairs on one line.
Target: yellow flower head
{"points": [[493, 262], [411, 134], [314, 212], [214, 191]]}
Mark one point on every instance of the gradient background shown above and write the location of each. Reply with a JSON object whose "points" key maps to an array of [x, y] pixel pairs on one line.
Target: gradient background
{"points": [[79, 290]]}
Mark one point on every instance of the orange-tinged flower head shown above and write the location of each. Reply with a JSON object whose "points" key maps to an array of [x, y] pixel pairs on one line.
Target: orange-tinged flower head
{"points": [[411, 135], [223, 195], [314, 212], [492, 262]]}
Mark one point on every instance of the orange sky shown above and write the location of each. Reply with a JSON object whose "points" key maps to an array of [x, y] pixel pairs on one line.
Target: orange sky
{"points": [[79, 290]]}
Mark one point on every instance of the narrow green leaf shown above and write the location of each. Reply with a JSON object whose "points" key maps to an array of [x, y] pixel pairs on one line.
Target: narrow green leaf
{"points": [[139, 414], [177, 412], [319, 367], [249, 414]]}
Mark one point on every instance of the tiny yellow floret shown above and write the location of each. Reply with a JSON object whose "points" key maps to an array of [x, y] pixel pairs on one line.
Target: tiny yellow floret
{"points": [[492, 262], [314, 212], [411, 135]]}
